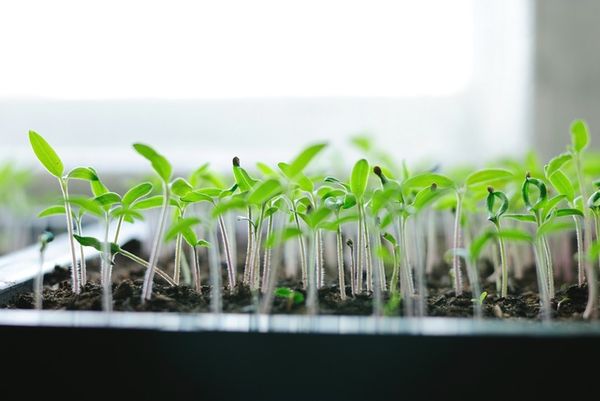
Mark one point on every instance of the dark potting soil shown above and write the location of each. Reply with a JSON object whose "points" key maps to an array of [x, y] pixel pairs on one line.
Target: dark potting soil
{"points": [[568, 304]]}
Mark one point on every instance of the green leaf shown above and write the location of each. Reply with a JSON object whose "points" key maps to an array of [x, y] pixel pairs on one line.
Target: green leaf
{"points": [[242, 178], [334, 203], [181, 187], [108, 199], [89, 205], [551, 204], [302, 160], [494, 215], [349, 201], [152, 202], [129, 215], [427, 195], [315, 217], [488, 176], [98, 188], [82, 173], [359, 178], [478, 244], [265, 191], [179, 227], [580, 136], [551, 226], [527, 218], [97, 244], [160, 164], [136, 193], [277, 238], [514, 234], [231, 204], [390, 238], [46, 155], [556, 163], [197, 196], [563, 186], [568, 212], [266, 170], [426, 179], [334, 180], [203, 243], [52, 211], [542, 193]]}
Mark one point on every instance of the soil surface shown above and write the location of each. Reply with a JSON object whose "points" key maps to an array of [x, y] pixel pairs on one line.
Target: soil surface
{"points": [[569, 302], [521, 303]]}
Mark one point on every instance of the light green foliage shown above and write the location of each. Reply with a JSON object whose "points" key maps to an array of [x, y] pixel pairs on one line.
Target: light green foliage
{"points": [[46, 155], [160, 164]]}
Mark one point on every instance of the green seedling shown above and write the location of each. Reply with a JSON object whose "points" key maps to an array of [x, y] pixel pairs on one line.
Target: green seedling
{"points": [[183, 227], [292, 297], [580, 139], [481, 298], [543, 212], [494, 216], [297, 184], [52, 162], [163, 169], [115, 250], [44, 239]]}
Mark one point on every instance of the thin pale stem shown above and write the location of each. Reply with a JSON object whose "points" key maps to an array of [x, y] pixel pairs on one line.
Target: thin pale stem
{"points": [[159, 272], [340, 262], [81, 254], [549, 266], [149, 276], [302, 246], [196, 270], [591, 309], [249, 247], [395, 271], [267, 259], [38, 283], [75, 278], [312, 300], [118, 230], [216, 303], [368, 259], [105, 269], [255, 253], [503, 262], [458, 286], [228, 258], [177, 266], [406, 269], [580, 268], [360, 250], [352, 271], [542, 279]]}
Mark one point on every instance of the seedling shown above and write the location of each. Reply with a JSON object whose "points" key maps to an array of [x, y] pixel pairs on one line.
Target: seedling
{"points": [[580, 139], [481, 298], [494, 216], [52, 162], [381, 225], [183, 228], [44, 239], [292, 297], [163, 169]]}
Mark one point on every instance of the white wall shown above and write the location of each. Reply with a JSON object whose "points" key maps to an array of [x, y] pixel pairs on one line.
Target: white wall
{"points": [[202, 82]]}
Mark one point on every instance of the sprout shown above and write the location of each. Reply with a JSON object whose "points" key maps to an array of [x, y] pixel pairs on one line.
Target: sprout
{"points": [[52, 162]]}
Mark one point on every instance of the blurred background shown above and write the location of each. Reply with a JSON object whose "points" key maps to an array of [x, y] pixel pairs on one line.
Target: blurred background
{"points": [[451, 82]]}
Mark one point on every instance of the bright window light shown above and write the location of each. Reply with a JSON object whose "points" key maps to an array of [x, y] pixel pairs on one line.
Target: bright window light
{"points": [[234, 48]]}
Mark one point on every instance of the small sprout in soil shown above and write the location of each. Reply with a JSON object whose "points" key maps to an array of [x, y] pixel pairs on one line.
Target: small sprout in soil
{"points": [[44, 239], [292, 297]]}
